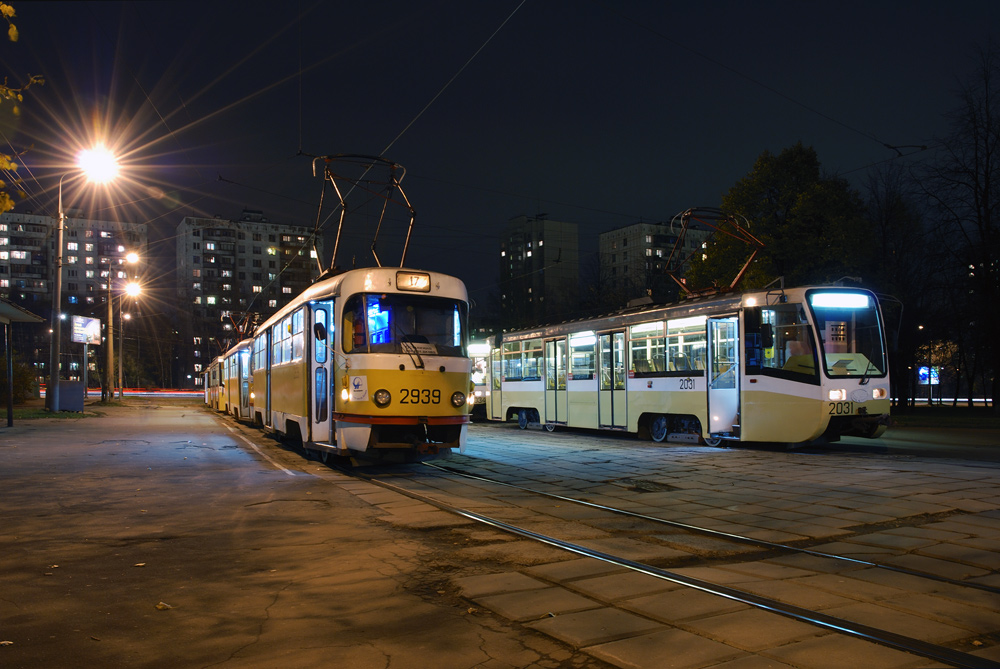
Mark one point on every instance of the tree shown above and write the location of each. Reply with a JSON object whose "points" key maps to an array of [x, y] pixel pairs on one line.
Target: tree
{"points": [[812, 227], [14, 95], [904, 249], [962, 183]]}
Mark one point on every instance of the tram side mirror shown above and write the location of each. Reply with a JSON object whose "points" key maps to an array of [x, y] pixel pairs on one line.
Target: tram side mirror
{"points": [[767, 335], [319, 330]]}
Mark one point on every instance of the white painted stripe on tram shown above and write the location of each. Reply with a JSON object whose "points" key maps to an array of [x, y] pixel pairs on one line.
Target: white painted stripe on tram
{"points": [[262, 453]]}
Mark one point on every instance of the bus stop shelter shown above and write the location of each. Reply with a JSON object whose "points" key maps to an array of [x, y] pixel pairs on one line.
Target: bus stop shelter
{"points": [[9, 314]]}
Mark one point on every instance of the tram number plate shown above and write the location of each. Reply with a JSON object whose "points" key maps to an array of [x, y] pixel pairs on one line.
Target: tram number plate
{"points": [[687, 384], [420, 396], [841, 408]]}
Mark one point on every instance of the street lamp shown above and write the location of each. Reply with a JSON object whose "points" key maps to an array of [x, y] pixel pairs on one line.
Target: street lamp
{"points": [[99, 166]]}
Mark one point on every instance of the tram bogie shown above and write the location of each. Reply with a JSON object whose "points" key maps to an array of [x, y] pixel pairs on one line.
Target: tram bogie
{"points": [[790, 365]]}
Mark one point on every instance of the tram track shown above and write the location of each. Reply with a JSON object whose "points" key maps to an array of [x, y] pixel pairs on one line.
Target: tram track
{"points": [[818, 619], [725, 536], [946, 654]]}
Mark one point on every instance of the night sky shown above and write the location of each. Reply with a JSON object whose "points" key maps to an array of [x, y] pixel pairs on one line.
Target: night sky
{"points": [[603, 114]]}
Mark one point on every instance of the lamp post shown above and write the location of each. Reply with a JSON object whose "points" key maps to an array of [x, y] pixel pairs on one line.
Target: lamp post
{"points": [[99, 166], [52, 389], [132, 290], [131, 258]]}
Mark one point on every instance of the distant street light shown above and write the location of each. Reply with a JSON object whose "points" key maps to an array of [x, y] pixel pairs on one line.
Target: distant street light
{"points": [[99, 166], [109, 384], [132, 289]]}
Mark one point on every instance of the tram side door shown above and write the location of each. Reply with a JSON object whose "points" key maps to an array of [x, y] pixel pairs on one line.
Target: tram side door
{"points": [[321, 366], [495, 376], [244, 356], [556, 402], [612, 407], [723, 376]]}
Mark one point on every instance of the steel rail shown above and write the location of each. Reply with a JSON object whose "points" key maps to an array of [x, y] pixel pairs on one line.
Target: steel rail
{"points": [[718, 534], [865, 632]]}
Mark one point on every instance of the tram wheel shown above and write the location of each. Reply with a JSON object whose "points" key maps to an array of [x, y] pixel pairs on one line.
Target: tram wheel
{"points": [[522, 419], [324, 455], [658, 428], [713, 441], [551, 427]]}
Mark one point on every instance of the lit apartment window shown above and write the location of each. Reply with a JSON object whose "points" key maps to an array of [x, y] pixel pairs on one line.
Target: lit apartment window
{"points": [[286, 289], [257, 289], [19, 255], [196, 285], [272, 303], [209, 246], [210, 299], [72, 246]]}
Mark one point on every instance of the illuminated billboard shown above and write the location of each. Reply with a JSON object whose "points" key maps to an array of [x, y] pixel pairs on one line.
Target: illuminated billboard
{"points": [[86, 330]]}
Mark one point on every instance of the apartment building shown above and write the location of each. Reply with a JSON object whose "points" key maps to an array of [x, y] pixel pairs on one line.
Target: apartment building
{"points": [[232, 274]]}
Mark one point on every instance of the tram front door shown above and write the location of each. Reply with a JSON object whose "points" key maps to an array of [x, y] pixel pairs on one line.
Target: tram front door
{"points": [[723, 376], [612, 408], [556, 403]]}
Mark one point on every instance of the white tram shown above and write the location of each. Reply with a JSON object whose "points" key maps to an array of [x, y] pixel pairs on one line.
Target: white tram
{"points": [[786, 365], [368, 359]]}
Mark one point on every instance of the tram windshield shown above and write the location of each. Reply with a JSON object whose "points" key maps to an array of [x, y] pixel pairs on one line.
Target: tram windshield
{"points": [[397, 323], [850, 333]]}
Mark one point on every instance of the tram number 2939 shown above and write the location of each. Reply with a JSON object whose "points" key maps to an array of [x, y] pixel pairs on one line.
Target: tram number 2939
{"points": [[841, 408], [420, 396]]}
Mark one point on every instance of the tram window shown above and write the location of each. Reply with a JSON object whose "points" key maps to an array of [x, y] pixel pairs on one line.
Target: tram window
{"points": [[531, 360], [512, 370], [779, 342], [286, 339], [297, 335], [686, 344], [850, 333], [320, 334], [396, 323], [581, 355], [647, 349], [276, 345]]}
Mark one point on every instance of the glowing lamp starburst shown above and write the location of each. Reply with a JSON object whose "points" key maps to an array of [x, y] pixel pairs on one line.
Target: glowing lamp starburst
{"points": [[98, 164]]}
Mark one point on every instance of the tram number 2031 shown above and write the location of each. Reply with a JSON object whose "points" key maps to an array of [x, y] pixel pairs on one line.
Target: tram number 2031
{"points": [[420, 396], [841, 408]]}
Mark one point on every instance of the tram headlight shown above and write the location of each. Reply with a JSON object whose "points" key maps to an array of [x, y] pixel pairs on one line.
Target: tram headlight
{"points": [[880, 393], [457, 399], [344, 394], [838, 395], [381, 397]]}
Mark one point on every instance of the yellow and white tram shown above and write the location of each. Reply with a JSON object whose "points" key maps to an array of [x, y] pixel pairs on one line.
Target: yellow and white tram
{"points": [[213, 385], [369, 359], [786, 365], [234, 376]]}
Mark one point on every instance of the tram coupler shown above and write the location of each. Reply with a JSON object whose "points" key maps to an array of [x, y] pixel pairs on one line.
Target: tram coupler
{"points": [[427, 448]]}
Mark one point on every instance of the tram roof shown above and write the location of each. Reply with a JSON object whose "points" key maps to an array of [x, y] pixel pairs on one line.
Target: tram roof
{"points": [[698, 306]]}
